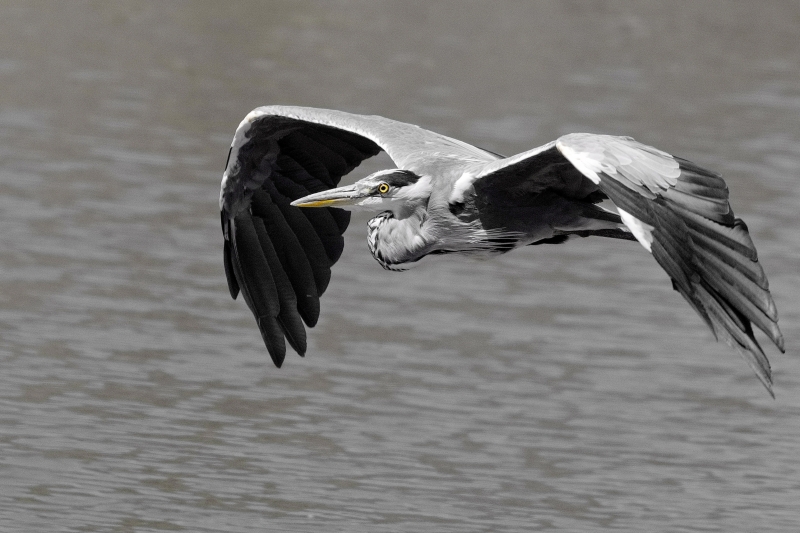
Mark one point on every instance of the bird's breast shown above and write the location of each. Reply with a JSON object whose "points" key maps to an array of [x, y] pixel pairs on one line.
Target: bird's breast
{"points": [[397, 244]]}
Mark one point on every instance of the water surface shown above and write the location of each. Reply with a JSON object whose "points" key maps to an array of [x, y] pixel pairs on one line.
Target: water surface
{"points": [[556, 388]]}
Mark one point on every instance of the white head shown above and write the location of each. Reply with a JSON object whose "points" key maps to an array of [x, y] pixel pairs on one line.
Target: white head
{"points": [[393, 190]]}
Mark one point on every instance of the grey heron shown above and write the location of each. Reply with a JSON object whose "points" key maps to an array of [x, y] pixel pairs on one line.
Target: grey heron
{"points": [[447, 197]]}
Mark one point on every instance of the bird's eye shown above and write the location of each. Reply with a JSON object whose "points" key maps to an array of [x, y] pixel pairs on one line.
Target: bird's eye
{"points": [[383, 188]]}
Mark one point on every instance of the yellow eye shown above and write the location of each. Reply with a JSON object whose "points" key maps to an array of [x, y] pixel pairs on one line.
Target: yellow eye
{"points": [[383, 188]]}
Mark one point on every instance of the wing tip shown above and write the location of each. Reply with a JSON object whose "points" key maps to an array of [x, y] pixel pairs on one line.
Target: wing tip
{"points": [[294, 332], [758, 362], [766, 380], [272, 335], [779, 343]]}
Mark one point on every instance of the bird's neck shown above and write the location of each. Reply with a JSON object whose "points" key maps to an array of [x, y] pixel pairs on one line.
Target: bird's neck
{"points": [[398, 243]]}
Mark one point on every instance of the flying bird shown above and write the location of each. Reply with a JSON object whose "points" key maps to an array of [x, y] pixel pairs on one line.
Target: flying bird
{"points": [[283, 215]]}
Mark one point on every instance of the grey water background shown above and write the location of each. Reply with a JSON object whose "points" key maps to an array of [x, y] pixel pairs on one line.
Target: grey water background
{"points": [[556, 388]]}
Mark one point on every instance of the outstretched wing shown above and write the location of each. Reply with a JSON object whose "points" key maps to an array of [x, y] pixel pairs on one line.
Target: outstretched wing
{"points": [[278, 255], [678, 211]]}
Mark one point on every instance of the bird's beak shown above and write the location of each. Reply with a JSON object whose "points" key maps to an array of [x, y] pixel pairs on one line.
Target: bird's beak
{"points": [[342, 196]]}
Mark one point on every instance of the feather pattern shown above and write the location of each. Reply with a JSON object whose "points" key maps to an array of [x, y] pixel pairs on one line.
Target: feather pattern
{"points": [[282, 259], [457, 198], [680, 213]]}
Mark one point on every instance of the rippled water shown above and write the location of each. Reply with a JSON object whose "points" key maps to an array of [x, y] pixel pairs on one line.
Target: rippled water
{"points": [[555, 388]]}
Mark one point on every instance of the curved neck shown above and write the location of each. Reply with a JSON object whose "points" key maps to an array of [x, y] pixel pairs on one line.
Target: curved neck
{"points": [[398, 243]]}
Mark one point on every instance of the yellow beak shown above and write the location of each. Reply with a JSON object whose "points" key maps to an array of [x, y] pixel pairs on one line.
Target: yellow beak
{"points": [[334, 197]]}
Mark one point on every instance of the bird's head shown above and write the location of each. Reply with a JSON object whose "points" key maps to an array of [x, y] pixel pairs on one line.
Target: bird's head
{"points": [[393, 190]]}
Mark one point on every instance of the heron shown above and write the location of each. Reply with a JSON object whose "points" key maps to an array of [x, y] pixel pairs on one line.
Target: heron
{"points": [[284, 214]]}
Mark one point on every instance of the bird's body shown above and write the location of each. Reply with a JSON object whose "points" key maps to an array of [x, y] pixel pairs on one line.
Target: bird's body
{"points": [[449, 197]]}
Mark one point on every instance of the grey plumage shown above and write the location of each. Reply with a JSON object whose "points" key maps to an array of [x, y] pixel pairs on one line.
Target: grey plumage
{"points": [[447, 196]]}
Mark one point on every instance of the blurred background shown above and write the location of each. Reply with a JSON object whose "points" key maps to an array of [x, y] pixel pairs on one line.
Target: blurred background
{"points": [[556, 388]]}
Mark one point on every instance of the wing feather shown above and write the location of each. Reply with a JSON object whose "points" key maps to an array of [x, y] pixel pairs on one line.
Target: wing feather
{"points": [[293, 259], [333, 163], [288, 316], [312, 245], [730, 255], [258, 286], [679, 211], [299, 178], [227, 259], [329, 223], [702, 246], [346, 147]]}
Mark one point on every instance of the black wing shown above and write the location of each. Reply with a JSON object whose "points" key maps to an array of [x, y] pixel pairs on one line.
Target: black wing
{"points": [[278, 255], [678, 211]]}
